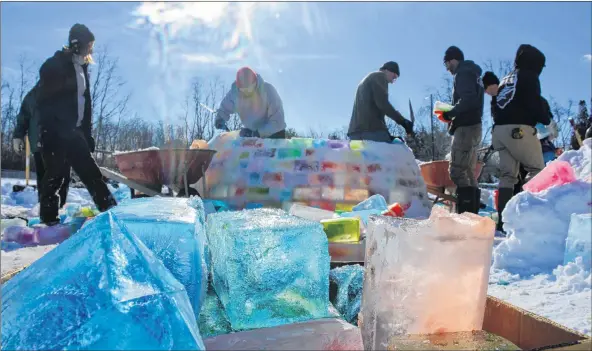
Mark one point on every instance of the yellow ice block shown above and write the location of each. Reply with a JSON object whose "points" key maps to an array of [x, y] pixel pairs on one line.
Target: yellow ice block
{"points": [[342, 229]]}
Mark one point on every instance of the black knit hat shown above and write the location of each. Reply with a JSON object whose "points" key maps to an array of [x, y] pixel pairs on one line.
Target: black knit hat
{"points": [[454, 53], [391, 66], [79, 33], [489, 78]]}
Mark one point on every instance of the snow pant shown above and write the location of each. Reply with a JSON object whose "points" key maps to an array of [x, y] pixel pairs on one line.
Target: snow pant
{"points": [[57, 153], [463, 155], [516, 145], [248, 133], [40, 170], [379, 136]]}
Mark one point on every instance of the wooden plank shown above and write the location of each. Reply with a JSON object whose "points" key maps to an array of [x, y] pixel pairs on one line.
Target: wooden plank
{"points": [[122, 179]]}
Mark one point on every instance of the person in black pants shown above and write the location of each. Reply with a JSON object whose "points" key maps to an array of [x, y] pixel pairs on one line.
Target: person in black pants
{"points": [[27, 123], [65, 124]]}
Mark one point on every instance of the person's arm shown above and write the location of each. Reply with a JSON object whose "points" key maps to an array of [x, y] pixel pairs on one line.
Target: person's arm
{"points": [[227, 107], [23, 118], [466, 88], [530, 90], [380, 93], [275, 121], [51, 80], [547, 116]]}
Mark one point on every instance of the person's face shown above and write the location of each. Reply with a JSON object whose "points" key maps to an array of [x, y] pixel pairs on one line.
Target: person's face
{"points": [[390, 76], [249, 90], [451, 65], [87, 49], [492, 90]]}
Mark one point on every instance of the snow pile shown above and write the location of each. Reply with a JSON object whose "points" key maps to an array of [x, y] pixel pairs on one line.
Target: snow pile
{"points": [[573, 277], [580, 160]]}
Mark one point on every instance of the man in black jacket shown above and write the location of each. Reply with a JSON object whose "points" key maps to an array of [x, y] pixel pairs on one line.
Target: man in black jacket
{"points": [[519, 107], [465, 127], [65, 124], [372, 104], [27, 123]]}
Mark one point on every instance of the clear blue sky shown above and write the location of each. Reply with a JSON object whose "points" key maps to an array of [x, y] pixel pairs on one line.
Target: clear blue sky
{"points": [[314, 53]]}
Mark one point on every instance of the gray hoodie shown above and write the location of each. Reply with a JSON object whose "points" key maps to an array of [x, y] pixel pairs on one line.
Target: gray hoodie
{"points": [[263, 111]]}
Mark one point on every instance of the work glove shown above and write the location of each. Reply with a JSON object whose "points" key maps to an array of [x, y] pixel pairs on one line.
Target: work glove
{"points": [[18, 145], [443, 116], [408, 126], [220, 124]]}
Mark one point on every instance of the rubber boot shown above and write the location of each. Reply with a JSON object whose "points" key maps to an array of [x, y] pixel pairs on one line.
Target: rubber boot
{"points": [[505, 194], [465, 199], [478, 205]]}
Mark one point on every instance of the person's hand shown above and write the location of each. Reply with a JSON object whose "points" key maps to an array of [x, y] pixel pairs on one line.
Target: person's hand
{"points": [[18, 145], [408, 126], [220, 124], [443, 116]]}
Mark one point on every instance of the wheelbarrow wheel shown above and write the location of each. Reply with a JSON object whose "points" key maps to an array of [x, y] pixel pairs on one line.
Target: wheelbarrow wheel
{"points": [[192, 192]]}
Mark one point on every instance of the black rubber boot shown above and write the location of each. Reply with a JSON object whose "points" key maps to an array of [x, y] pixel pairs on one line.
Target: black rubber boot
{"points": [[465, 199], [505, 194], [477, 204]]}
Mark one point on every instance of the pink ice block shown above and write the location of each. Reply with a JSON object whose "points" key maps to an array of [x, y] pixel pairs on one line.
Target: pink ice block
{"points": [[556, 173], [320, 334], [37, 236]]}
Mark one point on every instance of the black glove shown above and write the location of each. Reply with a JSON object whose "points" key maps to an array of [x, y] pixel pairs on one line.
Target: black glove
{"points": [[220, 124], [408, 126], [447, 116], [91, 143]]}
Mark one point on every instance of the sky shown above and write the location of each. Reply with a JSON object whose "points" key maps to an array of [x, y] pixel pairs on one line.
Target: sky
{"points": [[314, 53]]}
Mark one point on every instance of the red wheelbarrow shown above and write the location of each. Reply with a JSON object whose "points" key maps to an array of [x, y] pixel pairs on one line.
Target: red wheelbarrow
{"points": [[147, 171]]}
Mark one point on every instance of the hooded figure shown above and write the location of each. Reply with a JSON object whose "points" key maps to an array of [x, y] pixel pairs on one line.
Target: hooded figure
{"points": [[257, 104], [519, 107]]}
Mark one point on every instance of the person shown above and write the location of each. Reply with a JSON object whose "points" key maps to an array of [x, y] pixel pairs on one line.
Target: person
{"points": [[257, 104], [519, 107], [464, 124], [64, 104], [371, 104], [582, 129], [27, 122]]}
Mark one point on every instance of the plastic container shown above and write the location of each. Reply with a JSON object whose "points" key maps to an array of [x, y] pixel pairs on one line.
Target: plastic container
{"points": [[556, 173]]}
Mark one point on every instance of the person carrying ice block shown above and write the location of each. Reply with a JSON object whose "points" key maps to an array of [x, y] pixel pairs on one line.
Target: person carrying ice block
{"points": [[257, 104]]}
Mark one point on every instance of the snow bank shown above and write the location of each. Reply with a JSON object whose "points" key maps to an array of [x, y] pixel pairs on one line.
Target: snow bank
{"points": [[580, 160]]}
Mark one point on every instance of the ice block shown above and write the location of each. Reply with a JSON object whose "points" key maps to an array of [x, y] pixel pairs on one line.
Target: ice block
{"points": [[579, 240], [321, 334], [363, 215], [310, 213], [12, 222], [268, 268], [346, 282], [342, 229], [374, 202], [39, 235], [102, 289], [425, 276], [173, 229], [556, 173], [212, 318]]}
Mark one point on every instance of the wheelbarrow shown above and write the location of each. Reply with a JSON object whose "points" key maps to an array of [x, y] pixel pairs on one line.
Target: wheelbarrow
{"points": [[147, 171], [437, 179]]}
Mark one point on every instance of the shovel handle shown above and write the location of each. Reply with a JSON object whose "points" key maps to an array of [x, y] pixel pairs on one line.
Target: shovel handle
{"points": [[27, 161]]}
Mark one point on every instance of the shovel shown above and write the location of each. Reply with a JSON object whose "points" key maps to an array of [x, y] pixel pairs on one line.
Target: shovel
{"points": [[17, 187]]}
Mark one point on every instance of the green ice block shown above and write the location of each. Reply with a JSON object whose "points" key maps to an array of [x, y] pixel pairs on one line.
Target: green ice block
{"points": [[342, 229]]}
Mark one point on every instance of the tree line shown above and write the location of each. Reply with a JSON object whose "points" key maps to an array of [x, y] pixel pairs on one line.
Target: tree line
{"points": [[117, 128]]}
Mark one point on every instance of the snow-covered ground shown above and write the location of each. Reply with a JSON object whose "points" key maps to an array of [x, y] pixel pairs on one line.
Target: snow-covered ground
{"points": [[527, 269]]}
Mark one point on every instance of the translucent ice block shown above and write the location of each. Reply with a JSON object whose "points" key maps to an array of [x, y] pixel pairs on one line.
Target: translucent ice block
{"points": [[102, 289], [374, 202], [212, 318], [322, 334], [363, 215], [173, 228], [12, 222], [27, 236], [556, 173], [342, 229], [347, 298], [310, 213], [425, 276], [578, 243], [269, 268]]}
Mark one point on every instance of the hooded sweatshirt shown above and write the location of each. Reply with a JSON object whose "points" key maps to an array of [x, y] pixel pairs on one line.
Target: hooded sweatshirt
{"points": [[261, 111], [519, 99], [467, 96]]}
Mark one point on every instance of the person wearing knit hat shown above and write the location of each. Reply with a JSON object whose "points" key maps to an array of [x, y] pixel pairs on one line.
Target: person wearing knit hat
{"points": [[371, 104], [257, 104], [464, 124], [65, 124]]}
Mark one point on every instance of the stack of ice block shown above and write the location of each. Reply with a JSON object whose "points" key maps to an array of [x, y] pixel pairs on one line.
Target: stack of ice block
{"points": [[579, 242], [173, 229], [317, 172], [269, 268], [425, 276], [102, 289]]}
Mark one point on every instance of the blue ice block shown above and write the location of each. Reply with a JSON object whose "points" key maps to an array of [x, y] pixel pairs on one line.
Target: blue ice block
{"points": [[578, 242], [269, 268], [374, 202], [212, 318], [364, 215], [173, 228], [102, 289], [348, 297]]}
